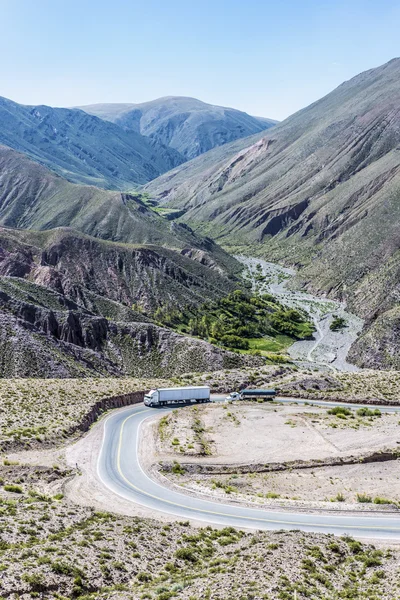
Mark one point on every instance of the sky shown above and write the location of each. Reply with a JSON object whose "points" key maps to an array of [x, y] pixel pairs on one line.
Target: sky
{"points": [[267, 58]]}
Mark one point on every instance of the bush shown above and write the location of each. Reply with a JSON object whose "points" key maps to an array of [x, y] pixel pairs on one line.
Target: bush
{"points": [[10, 487], [367, 412], [36, 581], [177, 468], [364, 498], [339, 410], [379, 500], [144, 577], [337, 323], [186, 554]]}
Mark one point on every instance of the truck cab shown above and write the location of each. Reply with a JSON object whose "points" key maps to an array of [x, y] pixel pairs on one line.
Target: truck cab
{"points": [[151, 398]]}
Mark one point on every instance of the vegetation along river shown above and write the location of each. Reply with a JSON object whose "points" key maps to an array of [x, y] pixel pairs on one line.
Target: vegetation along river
{"points": [[329, 348]]}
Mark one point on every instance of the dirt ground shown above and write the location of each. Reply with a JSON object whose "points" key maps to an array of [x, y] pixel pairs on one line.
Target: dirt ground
{"points": [[254, 434], [364, 487], [265, 433]]}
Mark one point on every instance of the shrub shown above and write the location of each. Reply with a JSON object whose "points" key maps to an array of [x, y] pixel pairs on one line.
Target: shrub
{"points": [[367, 412], [36, 581], [340, 410], [379, 500], [337, 323], [10, 487], [177, 468], [144, 577], [186, 554], [364, 498]]}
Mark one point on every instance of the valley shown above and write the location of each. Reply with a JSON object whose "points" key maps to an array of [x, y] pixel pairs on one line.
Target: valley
{"points": [[171, 243], [330, 348]]}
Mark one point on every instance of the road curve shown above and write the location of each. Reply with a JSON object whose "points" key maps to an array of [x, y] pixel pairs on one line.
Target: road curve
{"points": [[119, 469]]}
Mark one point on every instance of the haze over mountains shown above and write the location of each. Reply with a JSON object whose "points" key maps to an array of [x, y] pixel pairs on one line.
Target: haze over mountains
{"points": [[81, 147], [86, 149], [185, 124]]}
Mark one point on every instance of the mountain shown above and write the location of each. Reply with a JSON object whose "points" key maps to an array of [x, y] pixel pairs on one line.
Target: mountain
{"points": [[32, 197], [189, 126], [321, 191], [83, 148], [73, 305]]}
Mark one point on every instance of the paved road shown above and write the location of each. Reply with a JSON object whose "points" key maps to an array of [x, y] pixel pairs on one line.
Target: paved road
{"points": [[120, 470]]}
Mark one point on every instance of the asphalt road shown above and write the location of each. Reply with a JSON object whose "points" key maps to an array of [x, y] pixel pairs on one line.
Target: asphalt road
{"points": [[119, 469]]}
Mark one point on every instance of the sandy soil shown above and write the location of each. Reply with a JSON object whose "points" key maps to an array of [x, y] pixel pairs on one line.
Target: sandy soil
{"points": [[261, 434], [332, 488], [329, 349], [254, 433]]}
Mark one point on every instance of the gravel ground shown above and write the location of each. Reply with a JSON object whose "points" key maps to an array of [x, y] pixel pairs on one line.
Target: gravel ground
{"points": [[329, 349], [267, 433], [240, 435]]}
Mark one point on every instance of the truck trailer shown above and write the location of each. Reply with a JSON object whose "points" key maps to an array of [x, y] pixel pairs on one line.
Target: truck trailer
{"points": [[267, 393], [179, 395]]}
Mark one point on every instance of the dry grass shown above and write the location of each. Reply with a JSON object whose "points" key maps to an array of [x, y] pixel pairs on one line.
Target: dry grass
{"points": [[52, 549], [39, 410]]}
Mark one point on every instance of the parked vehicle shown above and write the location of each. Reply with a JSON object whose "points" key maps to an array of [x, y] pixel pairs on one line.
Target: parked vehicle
{"points": [[267, 393], [232, 396], [181, 395]]}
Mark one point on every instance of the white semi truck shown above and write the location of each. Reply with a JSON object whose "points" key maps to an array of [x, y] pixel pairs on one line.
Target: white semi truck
{"points": [[179, 395]]}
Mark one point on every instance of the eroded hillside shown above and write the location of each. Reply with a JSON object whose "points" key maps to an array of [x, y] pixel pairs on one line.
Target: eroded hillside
{"points": [[319, 191]]}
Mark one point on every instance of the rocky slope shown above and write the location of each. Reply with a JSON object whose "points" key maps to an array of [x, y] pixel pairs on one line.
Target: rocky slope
{"points": [[32, 197], [185, 124], [109, 278], [82, 147], [319, 191], [72, 305]]}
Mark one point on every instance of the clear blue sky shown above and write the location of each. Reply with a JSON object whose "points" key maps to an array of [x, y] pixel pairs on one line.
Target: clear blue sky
{"points": [[267, 58]]}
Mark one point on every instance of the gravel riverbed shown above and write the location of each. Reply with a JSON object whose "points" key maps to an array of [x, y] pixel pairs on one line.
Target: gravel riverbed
{"points": [[328, 349]]}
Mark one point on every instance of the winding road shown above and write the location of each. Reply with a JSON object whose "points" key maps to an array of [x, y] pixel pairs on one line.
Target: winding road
{"points": [[120, 470]]}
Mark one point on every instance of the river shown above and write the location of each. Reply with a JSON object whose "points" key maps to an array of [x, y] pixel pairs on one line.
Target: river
{"points": [[328, 349]]}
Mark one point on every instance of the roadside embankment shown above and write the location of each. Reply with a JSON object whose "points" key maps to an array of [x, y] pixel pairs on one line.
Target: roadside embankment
{"points": [[191, 468]]}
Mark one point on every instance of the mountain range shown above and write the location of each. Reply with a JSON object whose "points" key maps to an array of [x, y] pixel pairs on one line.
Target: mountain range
{"points": [[187, 125], [84, 148], [319, 191], [73, 305]]}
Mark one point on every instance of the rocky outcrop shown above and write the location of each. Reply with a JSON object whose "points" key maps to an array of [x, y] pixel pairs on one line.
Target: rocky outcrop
{"points": [[40, 342], [84, 269]]}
